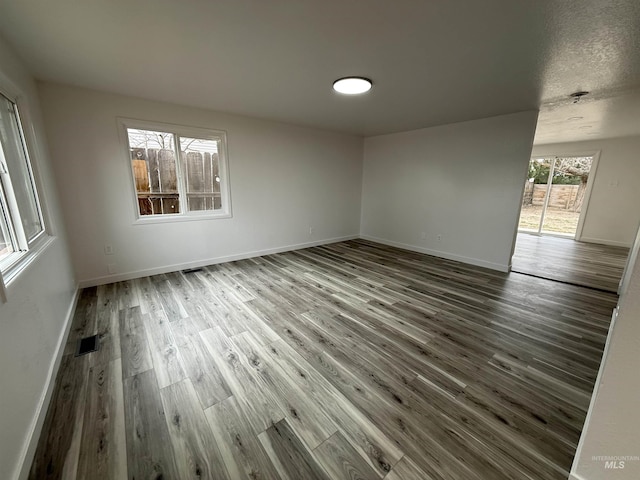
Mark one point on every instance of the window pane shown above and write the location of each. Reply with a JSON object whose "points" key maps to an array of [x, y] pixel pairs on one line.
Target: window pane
{"points": [[202, 173], [6, 246], [21, 178], [153, 161]]}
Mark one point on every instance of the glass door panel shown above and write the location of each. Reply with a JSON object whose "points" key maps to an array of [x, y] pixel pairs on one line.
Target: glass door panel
{"points": [[535, 194], [568, 188]]}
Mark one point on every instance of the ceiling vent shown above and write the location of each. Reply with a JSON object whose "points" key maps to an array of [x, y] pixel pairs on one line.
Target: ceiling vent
{"points": [[577, 96]]}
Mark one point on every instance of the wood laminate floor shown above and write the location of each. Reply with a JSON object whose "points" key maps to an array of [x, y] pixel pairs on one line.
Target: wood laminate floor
{"points": [[565, 260], [347, 361]]}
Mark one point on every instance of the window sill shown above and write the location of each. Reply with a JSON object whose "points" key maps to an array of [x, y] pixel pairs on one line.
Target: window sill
{"points": [[26, 260], [179, 218]]}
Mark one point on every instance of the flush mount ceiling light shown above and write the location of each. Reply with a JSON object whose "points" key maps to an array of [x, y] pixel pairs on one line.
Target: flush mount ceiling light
{"points": [[352, 85]]}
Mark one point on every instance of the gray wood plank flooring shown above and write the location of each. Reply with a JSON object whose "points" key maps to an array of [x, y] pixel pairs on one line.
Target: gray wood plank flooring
{"points": [[347, 361], [565, 260]]}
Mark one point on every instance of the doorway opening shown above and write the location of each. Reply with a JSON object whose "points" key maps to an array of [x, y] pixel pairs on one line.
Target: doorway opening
{"points": [[554, 205], [556, 195]]}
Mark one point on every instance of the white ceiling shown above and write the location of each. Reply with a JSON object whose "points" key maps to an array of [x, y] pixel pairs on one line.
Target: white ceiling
{"points": [[432, 61], [594, 117]]}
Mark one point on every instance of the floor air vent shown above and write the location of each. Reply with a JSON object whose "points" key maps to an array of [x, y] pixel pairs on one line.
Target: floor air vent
{"points": [[192, 270], [87, 345]]}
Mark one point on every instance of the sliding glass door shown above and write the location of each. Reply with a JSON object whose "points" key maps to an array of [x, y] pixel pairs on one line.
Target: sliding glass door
{"points": [[554, 195]]}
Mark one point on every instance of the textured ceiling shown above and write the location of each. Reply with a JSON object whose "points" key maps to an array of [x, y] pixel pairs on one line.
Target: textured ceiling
{"points": [[432, 62], [594, 117]]}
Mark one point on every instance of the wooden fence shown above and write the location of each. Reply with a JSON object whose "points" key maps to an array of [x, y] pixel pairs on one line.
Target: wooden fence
{"points": [[157, 180], [562, 196]]}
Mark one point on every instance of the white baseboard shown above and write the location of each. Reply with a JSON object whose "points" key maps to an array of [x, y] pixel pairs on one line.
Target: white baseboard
{"points": [[437, 253], [29, 448], [209, 261], [602, 241]]}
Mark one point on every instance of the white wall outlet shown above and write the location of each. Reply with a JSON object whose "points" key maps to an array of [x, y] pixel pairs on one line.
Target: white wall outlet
{"points": [[423, 236], [311, 230], [439, 237], [108, 249], [111, 267]]}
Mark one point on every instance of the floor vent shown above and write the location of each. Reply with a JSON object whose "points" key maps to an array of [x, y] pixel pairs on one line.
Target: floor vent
{"points": [[87, 345], [192, 270]]}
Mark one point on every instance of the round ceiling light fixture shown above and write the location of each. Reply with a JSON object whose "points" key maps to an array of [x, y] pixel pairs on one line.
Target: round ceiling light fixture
{"points": [[352, 85]]}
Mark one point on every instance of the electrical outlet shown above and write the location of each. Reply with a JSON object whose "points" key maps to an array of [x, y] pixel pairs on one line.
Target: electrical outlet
{"points": [[310, 231], [111, 268], [423, 236], [108, 249], [439, 237]]}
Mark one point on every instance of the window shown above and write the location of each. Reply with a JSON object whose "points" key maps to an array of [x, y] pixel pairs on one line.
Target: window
{"points": [[178, 172], [21, 223]]}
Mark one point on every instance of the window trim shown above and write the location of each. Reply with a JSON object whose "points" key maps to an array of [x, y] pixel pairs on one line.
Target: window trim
{"points": [[179, 131], [19, 261], [32, 174]]}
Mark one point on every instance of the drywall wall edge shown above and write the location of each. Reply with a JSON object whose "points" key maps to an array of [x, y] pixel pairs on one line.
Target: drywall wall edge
{"points": [[594, 394], [437, 253], [210, 261], [30, 445]]}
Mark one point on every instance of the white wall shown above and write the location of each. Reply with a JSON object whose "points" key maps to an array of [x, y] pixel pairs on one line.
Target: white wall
{"points": [[461, 181], [32, 322], [284, 179], [612, 216], [612, 427]]}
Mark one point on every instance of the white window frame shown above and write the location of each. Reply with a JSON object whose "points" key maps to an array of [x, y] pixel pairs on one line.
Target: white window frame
{"points": [[27, 250], [179, 131]]}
